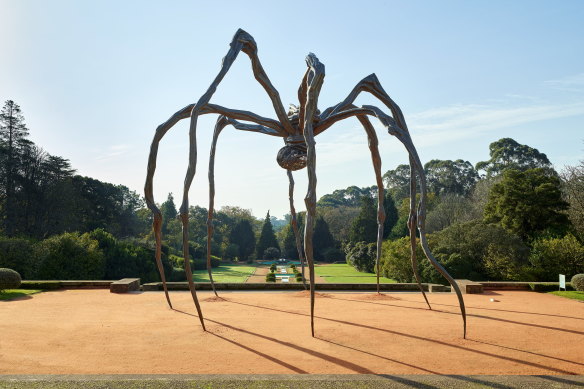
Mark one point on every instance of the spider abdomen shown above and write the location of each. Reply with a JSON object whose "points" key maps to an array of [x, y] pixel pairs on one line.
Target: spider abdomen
{"points": [[292, 157]]}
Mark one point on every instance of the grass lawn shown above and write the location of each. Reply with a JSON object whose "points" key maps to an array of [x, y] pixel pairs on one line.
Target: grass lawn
{"points": [[10, 294], [571, 294], [227, 273], [342, 273]]}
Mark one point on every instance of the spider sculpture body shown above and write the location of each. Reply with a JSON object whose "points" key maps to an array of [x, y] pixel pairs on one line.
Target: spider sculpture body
{"points": [[298, 128]]}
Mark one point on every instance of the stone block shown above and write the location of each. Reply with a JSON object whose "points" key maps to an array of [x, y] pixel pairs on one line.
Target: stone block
{"points": [[125, 285]]}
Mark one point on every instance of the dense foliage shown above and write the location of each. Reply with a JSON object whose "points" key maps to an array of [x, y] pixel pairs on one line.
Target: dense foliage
{"points": [[9, 279]]}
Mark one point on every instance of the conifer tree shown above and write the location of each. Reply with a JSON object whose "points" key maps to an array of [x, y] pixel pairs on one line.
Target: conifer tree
{"points": [[267, 237]]}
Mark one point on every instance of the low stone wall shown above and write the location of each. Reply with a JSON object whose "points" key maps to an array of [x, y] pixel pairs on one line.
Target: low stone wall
{"points": [[406, 287], [66, 284]]}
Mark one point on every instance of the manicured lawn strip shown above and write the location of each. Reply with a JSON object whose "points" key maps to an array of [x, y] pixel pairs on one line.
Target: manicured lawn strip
{"points": [[10, 294], [229, 273], [571, 294], [342, 273]]}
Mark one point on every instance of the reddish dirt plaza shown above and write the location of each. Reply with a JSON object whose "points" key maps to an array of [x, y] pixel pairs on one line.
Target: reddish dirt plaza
{"points": [[94, 332]]}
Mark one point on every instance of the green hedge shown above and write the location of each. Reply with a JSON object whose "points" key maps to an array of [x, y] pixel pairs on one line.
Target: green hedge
{"points": [[46, 285], [548, 286]]}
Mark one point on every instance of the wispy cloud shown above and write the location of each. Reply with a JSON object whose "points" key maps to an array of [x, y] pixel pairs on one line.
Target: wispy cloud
{"points": [[462, 121], [113, 152], [573, 83]]}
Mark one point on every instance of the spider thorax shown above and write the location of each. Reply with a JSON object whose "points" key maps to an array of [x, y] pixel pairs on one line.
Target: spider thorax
{"points": [[293, 155]]}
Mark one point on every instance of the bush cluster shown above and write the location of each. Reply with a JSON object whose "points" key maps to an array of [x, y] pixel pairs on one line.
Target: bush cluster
{"points": [[271, 277], [74, 256]]}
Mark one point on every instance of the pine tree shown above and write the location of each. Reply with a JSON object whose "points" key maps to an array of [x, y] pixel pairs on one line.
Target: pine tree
{"points": [[13, 143], [267, 237], [391, 215], [168, 210], [322, 238]]}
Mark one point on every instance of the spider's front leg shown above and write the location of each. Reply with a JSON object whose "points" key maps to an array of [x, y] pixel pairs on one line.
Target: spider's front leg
{"points": [[314, 80]]}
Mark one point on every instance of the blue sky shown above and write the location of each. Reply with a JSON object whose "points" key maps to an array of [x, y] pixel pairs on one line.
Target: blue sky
{"points": [[94, 80]]}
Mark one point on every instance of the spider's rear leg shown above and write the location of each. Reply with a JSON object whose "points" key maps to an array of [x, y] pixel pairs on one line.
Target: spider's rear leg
{"points": [[294, 223]]}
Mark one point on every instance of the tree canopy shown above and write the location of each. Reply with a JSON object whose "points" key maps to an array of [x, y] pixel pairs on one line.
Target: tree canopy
{"points": [[527, 202], [506, 153]]}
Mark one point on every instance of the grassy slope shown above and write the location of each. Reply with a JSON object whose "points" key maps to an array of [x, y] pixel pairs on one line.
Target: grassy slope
{"points": [[345, 274], [10, 294], [571, 294], [229, 273]]}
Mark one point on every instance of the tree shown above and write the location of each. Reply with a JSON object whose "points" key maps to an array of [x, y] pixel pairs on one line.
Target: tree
{"points": [[573, 185], [289, 249], [391, 215], [169, 212], [451, 209], [364, 227], [527, 202], [339, 220], [506, 153], [552, 256], [13, 142], [267, 237], [450, 177], [397, 181], [350, 197], [362, 256], [242, 235], [322, 239]]}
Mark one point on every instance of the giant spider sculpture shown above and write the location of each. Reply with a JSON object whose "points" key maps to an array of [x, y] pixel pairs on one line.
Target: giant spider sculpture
{"points": [[297, 128]]}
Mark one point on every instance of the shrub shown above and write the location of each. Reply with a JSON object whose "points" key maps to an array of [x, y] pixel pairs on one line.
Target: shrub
{"points": [[18, 254], [128, 259], [298, 277], [578, 282], [70, 256], [271, 277], [361, 256], [552, 256], [46, 285], [271, 253], [273, 267], [332, 254], [548, 286], [293, 267], [9, 279]]}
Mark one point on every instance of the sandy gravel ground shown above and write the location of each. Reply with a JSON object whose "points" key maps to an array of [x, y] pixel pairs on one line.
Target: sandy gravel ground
{"points": [[96, 332]]}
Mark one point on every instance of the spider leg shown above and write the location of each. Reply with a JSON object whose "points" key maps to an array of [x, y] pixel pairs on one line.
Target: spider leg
{"points": [[242, 41], [294, 224], [265, 125], [376, 159], [315, 78], [398, 128]]}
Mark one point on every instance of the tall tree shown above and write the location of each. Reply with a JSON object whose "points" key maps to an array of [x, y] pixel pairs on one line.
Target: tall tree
{"points": [[397, 181], [364, 227], [350, 197], [450, 177], [169, 212], [267, 237], [322, 238], [242, 235], [573, 180], [13, 142], [391, 215], [527, 202], [506, 153]]}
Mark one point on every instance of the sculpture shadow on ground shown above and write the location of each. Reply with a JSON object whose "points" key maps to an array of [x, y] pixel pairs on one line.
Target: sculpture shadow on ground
{"points": [[363, 370]]}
